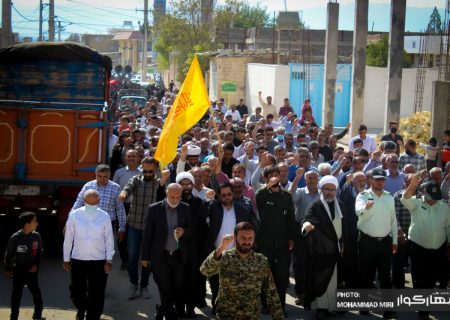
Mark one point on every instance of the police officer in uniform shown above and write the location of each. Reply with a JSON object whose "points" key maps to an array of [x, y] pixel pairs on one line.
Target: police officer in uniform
{"points": [[377, 239], [429, 235], [276, 232]]}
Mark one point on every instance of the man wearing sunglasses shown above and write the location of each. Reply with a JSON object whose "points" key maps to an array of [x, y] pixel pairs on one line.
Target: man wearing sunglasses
{"points": [[145, 190]]}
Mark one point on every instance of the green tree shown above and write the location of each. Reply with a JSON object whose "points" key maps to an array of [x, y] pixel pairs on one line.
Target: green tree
{"points": [[181, 33], [240, 14], [435, 23], [377, 55]]}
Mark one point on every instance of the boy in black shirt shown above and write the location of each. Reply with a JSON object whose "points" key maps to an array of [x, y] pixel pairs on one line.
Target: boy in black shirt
{"points": [[22, 258]]}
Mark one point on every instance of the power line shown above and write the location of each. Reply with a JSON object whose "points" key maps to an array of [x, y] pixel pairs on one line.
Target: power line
{"points": [[79, 24], [84, 16], [103, 9], [109, 7], [18, 12]]}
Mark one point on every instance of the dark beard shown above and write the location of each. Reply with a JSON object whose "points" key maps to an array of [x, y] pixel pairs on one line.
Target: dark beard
{"points": [[186, 195], [149, 178], [243, 250]]}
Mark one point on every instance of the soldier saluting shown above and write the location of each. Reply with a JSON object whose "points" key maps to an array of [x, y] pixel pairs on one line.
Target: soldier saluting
{"points": [[243, 274]]}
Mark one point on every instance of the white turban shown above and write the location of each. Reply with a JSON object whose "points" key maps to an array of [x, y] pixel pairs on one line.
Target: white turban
{"points": [[328, 180], [193, 150], [184, 175]]}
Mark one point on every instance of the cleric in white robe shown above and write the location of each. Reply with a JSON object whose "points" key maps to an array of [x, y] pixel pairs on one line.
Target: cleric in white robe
{"points": [[324, 229]]}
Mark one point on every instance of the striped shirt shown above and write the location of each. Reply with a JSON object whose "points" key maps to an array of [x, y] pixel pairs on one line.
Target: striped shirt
{"points": [[403, 214], [417, 160], [108, 201], [144, 194]]}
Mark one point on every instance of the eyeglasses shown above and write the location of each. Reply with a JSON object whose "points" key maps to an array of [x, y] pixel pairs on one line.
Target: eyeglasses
{"points": [[148, 171], [303, 156]]}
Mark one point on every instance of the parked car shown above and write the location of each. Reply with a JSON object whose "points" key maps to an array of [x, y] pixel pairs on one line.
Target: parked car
{"points": [[132, 103]]}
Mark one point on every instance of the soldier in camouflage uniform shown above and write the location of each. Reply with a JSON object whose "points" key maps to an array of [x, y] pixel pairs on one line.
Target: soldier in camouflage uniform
{"points": [[243, 273]]}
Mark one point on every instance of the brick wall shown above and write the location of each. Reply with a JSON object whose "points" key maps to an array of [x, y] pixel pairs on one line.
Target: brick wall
{"points": [[234, 68]]}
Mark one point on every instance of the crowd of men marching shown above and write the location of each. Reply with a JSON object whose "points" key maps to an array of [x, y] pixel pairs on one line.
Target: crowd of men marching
{"points": [[247, 197]]}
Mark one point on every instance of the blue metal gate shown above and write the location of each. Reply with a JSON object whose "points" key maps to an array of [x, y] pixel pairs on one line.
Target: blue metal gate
{"points": [[313, 87]]}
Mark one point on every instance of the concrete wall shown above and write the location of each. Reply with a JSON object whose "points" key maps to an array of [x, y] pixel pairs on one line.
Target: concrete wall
{"points": [[375, 94], [272, 80], [231, 68]]}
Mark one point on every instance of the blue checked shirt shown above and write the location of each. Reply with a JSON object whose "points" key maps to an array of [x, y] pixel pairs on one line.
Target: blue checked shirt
{"points": [[108, 201], [418, 161], [403, 214]]}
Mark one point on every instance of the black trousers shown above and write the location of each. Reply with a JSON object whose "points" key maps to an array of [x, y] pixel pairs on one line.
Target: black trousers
{"points": [[20, 279], [280, 262], [375, 255], [399, 263], [427, 266], [193, 289], [168, 275], [350, 267], [299, 255], [87, 288]]}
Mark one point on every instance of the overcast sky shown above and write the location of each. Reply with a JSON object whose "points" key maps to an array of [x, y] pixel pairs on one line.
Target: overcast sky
{"points": [[96, 16]]}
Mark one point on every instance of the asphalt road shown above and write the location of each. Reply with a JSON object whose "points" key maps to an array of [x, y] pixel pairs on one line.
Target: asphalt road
{"points": [[54, 283]]}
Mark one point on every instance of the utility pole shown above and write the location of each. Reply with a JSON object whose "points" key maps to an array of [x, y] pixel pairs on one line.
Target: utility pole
{"points": [[41, 7], [6, 24], [59, 31], [144, 46], [51, 21]]}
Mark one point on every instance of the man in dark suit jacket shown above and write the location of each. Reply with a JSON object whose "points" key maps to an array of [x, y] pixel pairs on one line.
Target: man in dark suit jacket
{"points": [[348, 194], [223, 216], [164, 247]]}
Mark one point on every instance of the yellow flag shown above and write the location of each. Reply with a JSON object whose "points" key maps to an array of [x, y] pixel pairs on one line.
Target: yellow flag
{"points": [[188, 108]]}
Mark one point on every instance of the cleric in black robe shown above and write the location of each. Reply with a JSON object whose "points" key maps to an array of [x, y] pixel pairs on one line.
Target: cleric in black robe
{"points": [[193, 291], [325, 232]]}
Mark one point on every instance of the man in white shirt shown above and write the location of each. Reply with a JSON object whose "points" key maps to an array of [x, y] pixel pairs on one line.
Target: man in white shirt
{"points": [[234, 113], [249, 160], [88, 254], [368, 142], [199, 189], [268, 107], [112, 139]]}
